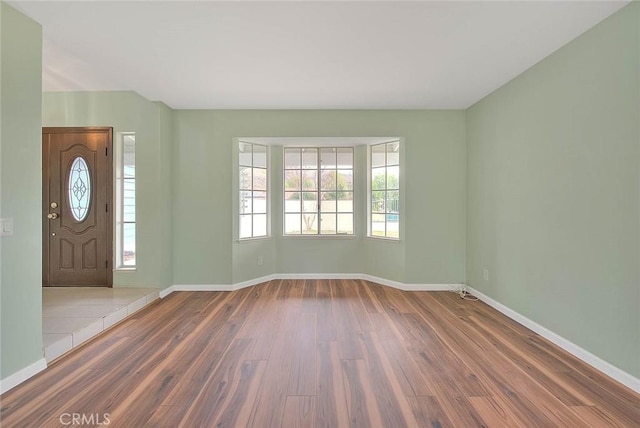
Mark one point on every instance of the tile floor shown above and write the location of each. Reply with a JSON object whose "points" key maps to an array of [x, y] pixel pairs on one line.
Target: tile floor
{"points": [[73, 315]]}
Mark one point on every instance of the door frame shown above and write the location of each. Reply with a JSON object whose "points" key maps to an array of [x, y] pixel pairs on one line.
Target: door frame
{"points": [[45, 197]]}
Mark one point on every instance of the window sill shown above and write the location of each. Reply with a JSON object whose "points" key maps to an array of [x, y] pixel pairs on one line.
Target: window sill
{"points": [[319, 237], [256, 239], [382, 238], [125, 269]]}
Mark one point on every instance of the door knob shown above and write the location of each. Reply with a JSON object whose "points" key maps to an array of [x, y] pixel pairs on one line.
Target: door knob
{"points": [[54, 205], [52, 216]]}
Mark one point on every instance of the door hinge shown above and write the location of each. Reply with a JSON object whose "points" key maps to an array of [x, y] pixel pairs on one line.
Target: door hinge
{"points": [[106, 264], [106, 208], [106, 151]]}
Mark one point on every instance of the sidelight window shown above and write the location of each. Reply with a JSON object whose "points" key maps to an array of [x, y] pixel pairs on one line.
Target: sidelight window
{"points": [[126, 198]]}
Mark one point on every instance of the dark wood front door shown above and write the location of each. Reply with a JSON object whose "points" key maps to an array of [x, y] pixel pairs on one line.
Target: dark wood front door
{"points": [[77, 176]]}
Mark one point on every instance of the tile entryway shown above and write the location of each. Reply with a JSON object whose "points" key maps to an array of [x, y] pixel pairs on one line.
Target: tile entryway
{"points": [[73, 315]]}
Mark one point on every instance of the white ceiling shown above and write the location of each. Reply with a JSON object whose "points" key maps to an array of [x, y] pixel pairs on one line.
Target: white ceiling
{"points": [[300, 54]]}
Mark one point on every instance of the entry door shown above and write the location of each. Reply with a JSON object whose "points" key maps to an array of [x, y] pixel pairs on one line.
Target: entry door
{"points": [[77, 222]]}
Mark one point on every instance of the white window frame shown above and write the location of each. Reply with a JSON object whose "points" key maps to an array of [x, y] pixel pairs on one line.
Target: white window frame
{"points": [[267, 169], [318, 191], [370, 200], [120, 202]]}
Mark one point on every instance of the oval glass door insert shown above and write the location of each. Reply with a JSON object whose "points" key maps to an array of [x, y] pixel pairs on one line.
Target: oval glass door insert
{"points": [[79, 189]]}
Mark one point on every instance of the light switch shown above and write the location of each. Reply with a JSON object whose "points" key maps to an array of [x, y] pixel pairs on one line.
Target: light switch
{"points": [[6, 226]]}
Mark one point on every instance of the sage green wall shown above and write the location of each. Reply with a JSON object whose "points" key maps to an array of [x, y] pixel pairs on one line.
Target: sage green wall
{"points": [[153, 124], [21, 191], [554, 196], [205, 226]]}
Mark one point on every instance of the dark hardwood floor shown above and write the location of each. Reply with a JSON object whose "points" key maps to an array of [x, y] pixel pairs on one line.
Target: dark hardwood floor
{"points": [[319, 353]]}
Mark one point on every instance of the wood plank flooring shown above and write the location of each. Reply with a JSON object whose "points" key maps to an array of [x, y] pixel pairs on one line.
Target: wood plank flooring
{"points": [[319, 353]]}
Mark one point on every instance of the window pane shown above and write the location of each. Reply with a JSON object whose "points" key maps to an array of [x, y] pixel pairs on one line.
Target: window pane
{"points": [[129, 200], [246, 205], [129, 158], [309, 201], [309, 224], [260, 202], [260, 225], [292, 202], [245, 226], [129, 244], [292, 180], [378, 178], [259, 156], [292, 223], [377, 224], [345, 224], [385, 190], [328, 181], [393, 177], [328, 158], [244, 156], [129, 171], [393, 153], [345, 205], [393, 201], [309, 180], [328, 224], [245, 178], [310, 158], [253, 195], [259, 179], [292, 159], [345, 158], [393, 226], [328, 202], [345, 179], [378, 155], [378, 201]]}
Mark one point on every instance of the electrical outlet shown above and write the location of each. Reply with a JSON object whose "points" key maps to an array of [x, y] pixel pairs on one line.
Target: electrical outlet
{"points": [[260, 261], [485, 274], [6, 226]]}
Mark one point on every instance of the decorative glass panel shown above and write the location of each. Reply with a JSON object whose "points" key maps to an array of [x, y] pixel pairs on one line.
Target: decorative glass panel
{"points": [[79, 188]]}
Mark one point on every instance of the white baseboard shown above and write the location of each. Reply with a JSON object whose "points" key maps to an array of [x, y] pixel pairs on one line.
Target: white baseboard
{"points": [[165, 292], [586, 356], [238, 285], [318, 276], [22, 375], [255, 281], [202, 287], [409, 287]]}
